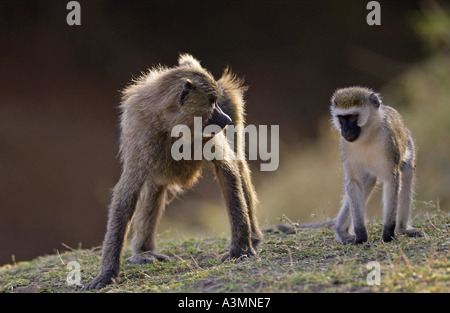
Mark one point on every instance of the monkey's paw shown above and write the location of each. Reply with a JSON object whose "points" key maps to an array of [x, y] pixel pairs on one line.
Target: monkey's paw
{"points": [[101, 281], [147, 257], [345, 238], [412, 232]]}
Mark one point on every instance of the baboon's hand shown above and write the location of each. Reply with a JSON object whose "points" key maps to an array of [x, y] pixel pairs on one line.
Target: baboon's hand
{"points": [[102, 280]]}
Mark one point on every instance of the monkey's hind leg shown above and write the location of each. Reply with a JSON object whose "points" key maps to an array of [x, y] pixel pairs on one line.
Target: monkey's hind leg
{"points": [[391, 189], [343, 222], [144, 225], [404, 205]]}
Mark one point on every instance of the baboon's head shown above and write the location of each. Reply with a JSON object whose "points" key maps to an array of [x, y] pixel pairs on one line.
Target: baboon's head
{"points": [[351, 108], [196, 93]]}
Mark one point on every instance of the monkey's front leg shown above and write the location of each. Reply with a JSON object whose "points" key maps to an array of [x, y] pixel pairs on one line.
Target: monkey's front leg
{"points": [[356, 202], [231, 184], [342, 226]]}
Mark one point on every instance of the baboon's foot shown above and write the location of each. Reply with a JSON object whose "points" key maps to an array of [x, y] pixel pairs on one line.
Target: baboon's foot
{"points": [[256, 240], [238, 253], [147, 257]]}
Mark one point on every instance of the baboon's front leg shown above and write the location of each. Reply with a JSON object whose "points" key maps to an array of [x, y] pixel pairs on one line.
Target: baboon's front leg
{"points": [[252, 201], [121, 210], [231, 184]]}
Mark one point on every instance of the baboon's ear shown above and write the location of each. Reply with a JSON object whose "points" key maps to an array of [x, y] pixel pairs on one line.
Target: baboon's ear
{"points": [[375, 100], [188, 60], [185, 89]]}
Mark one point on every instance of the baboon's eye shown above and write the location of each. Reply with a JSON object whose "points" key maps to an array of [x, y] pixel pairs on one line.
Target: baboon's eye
{"points": [[353, 117], [212, 99], [186, 88]]}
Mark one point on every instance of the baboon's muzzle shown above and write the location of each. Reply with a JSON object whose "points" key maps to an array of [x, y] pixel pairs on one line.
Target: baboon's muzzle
{"points": [[219, 118]]}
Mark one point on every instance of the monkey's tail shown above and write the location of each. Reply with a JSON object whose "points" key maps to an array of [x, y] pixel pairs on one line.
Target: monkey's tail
{"points": [[329, 223], [291, 228]]}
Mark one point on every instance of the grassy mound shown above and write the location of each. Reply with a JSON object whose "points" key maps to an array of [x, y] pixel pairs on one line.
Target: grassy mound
{"points": [[307, 261]]}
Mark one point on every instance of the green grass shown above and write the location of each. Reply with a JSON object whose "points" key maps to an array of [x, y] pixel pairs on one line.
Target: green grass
{"points": [[308, 261]]}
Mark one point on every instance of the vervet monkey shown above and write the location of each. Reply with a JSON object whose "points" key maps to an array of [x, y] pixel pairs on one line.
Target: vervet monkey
{"points": [[374, 144], [151, 107]]}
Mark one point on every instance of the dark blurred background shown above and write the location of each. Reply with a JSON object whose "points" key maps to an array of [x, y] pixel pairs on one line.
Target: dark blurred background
{"points": [[59, 93]]}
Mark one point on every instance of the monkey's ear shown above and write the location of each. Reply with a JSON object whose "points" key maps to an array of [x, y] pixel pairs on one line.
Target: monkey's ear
{"points": [[185, 89], [375, 100]]}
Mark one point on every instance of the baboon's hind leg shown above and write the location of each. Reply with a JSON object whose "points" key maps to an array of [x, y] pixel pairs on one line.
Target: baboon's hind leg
{"points": [[144, 225]]}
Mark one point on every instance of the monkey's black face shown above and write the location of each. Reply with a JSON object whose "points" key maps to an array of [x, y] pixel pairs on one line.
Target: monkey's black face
{"points": [[349, 127]]}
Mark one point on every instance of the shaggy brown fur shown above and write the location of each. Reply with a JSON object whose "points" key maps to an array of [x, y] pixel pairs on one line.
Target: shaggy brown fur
{"points": [[151, 106]]}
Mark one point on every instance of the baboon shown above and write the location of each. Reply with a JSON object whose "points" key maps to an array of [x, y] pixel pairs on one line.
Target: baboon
{"points": [[151, 107]]}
